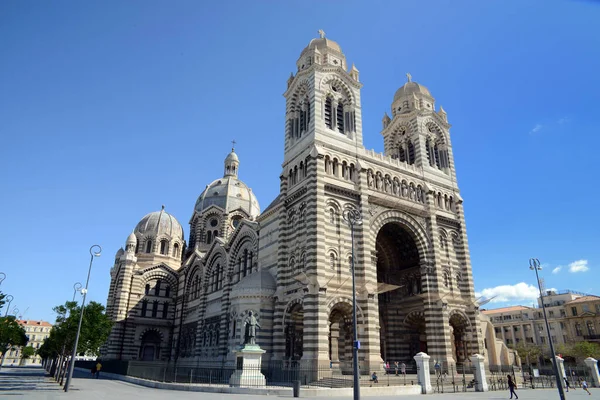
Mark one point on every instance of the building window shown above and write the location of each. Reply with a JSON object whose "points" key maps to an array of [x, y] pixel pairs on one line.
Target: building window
{"points": [[168, 291], [208, 237], [147, 289], [149, 246], [591, 329], [176, 250], [340, 118], [551, 314], [578, 331], [332, 260], [154, 308], [157, 288], [144, 307], [165, 309], [574, 311], [164, 247], [328, 115]]}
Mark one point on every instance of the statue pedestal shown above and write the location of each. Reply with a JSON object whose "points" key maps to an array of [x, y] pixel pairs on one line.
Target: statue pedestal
{"points": [[248, 363]]}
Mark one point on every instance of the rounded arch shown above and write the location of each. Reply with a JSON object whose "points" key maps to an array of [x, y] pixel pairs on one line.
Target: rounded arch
{"points": [[439, 133], [415, 318], [413, 227], [345, 302], [459, 317], [345, 89], [157, 273], [299, 92], [298, 301]]}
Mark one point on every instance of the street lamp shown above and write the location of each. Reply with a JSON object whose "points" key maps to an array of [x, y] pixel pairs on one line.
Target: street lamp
{"points": [[76, 288], [8, 300], [534, 264], [353, 217], [2, 277], [95, 251]]}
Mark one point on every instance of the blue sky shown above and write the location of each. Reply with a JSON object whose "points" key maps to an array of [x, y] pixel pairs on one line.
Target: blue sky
{"points": [[110, 109]]}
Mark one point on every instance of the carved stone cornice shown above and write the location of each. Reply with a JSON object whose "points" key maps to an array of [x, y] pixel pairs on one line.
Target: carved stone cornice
{"points": [[452, 222], [342, 191], [295, 196]]}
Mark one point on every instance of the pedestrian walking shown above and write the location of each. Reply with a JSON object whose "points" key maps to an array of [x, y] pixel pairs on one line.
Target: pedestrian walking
{"points": [[403, 369], [396, 367], [98, 368], [584, 385], [512, 385], [567, 384]]}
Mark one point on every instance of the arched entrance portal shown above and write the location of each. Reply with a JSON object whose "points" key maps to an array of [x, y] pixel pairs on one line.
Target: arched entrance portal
{"points": [[150, 349], [294, 331], [459, 327], [340, 336], [399, 287]]}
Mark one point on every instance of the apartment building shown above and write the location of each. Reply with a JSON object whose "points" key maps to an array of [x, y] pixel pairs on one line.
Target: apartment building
{"points": [[37, 332]]}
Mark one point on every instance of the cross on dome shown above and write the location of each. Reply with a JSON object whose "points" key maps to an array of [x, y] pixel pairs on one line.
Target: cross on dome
{"points": [[321, 33], [408, 77], [233, 142]]}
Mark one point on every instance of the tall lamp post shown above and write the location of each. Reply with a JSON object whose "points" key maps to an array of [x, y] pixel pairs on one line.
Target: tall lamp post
{"points": [[353, 217], [534, 264], [95, 251], [2, 277]]}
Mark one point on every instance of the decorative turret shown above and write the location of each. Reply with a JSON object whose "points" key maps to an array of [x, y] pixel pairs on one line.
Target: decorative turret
{"points": [[232, 162], [131, 243]]}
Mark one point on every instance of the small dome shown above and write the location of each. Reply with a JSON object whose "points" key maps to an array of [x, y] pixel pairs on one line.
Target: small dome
{"points": [[131, 239], [120, 252], [260, 281], [323, 43], [232, 157], [411, 88], [160, 223]]}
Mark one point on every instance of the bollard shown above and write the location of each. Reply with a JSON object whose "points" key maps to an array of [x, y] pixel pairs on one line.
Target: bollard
{"points": [[296, 389]]}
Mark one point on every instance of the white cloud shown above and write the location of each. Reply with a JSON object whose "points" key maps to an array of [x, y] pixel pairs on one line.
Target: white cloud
{"points": [[579, 266], [536, 128], [563, 120], [556, 270], [504, 293]]}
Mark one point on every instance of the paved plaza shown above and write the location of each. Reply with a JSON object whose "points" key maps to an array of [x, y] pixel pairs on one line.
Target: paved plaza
{"points": [[31, 383]]}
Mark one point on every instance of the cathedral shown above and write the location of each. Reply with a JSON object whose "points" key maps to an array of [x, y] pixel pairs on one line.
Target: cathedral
{"points": [[291, 263]]}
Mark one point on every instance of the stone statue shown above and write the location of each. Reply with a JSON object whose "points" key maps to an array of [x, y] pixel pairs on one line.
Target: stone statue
{"points": [[321, 33], [250, 329]]}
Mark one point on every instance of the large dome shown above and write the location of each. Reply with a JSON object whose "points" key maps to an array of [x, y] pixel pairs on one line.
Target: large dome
{"points": [[160, 223], [229, 193], [410, 88], [323, 43]]}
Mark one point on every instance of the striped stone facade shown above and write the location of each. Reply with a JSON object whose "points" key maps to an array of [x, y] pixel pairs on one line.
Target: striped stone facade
{"points": [[292, 264]]}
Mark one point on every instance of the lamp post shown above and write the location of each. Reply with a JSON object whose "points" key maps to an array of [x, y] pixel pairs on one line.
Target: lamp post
{"points": [[8, 300], [76, 288], [93, 254], [534, 264], [2, 277], [353, 217]]}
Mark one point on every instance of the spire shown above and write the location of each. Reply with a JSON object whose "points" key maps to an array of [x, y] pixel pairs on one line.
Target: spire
{"points": [[232, 162]]}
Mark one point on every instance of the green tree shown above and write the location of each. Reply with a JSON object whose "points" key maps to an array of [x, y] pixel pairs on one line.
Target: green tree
{"points": [[2, 301], [528, 352], [580, 350], [27, 352], [11, 333]]}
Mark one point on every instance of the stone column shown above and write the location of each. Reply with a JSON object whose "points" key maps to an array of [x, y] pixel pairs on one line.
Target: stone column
{"points": [[560, 363], [481, 384], [335, 343], [423, 376], [593, 366]]}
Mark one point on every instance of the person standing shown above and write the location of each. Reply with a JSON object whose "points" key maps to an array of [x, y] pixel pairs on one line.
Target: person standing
{"points": [[403, 369], [512, 385], [567, 384], [98, 368], [396, 367]]}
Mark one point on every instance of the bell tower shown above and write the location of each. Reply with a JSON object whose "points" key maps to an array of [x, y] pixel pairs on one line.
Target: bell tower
{"points": [[322, 100]]}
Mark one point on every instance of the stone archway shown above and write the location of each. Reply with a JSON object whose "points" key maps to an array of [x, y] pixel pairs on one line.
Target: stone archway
{"points": [[294, 332], [399, 277], [459, 327], [341, 336], [150, 347]]}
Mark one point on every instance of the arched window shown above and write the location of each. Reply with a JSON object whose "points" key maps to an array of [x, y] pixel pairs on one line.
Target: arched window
{"points": [[428, 151], [176, 250], [332, 260], [165, 309], [411, 153], [292, 264], [331, 216], [591, 328], [149, 246], [350, 263], [401, 153], [144, 307], [154, 308], [208, 237], [147, 289], [164, 247], [215, 234], [340, 118], [157, 288], [328, 113], [245, 270], [168, 291], [436, 155]]}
